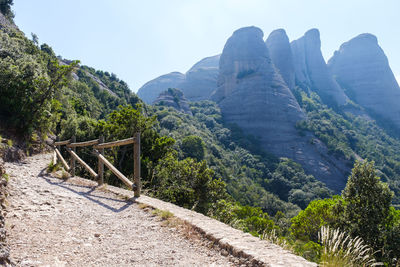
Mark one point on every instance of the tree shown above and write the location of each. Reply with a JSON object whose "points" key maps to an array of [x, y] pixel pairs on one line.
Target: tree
{"points": [[367, 207], [29, 81], [193, 147], [308, 222], [187, 183], [5, 8], [35, 38]]}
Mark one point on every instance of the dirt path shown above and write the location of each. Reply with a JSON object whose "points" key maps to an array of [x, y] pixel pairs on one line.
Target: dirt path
{"points": [[51, 222]]}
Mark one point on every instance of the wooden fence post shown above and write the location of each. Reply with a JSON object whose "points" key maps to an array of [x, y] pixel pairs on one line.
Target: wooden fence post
{"points": [[55, 154], [136, 165], [100, 163], [59, 147], [73, 140]]}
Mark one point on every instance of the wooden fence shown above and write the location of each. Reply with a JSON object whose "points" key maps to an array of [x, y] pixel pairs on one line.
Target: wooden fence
{"points": [[98, 151]]}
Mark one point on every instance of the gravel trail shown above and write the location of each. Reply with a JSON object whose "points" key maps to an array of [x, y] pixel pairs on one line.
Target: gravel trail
{"points": [[51, 222]]}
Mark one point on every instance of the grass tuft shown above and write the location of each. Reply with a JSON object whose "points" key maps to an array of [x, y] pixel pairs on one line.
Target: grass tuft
{"points": [[339, 249], [53, 167], [163, 214]]}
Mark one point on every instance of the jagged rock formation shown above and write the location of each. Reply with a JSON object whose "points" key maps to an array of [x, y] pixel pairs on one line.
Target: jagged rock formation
{"points": [[201, 79], [252, 94], [152, 89], [281, 54], [312, 71], [362, 68], [173, 98]]}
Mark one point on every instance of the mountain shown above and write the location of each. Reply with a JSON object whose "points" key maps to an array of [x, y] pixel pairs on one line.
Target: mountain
{"points": [[252, 94], [281, 54], [201, 79], [152, 89], [311, 70], [362, 68], [173, 98], [197, 84]]}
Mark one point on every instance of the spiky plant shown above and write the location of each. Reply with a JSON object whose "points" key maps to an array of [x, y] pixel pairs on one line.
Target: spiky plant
{"points": [[339, 249], [272, 237]]}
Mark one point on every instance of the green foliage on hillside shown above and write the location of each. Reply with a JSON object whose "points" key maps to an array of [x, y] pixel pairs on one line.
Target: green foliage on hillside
{"points": [[363, 210], [29, 80], [350, 137], [5, 8], [252, 178]]}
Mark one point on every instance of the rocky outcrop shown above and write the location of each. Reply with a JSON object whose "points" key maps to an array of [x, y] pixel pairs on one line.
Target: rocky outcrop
{"points": [[197, 84], [173, 98], [201, 79], [312, 71], [362, 68], [281, 54], [152, 89], [101, 85], [6, 23], [252, 94]]}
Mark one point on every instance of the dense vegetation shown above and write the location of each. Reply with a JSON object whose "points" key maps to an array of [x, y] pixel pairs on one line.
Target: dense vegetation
{"points": [[353, 137], [363, 210], [5, 8]]}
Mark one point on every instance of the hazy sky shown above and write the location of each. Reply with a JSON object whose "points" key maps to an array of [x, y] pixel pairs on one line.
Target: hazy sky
{"points": [[141, 39]]}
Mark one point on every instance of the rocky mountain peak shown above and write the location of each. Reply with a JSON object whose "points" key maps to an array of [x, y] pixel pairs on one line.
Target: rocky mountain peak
{"points": [[244, 54], [152, 89], [201, 79], [313, 37], [311, 70], [362, 68], [253, 95], [281, 54]]}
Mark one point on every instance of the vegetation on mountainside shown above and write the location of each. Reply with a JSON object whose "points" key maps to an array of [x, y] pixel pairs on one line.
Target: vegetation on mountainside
{"points": [[29, 80], [5, 8], [363, 210], [351, 137]]}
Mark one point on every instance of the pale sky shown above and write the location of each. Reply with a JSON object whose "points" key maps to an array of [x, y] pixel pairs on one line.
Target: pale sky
{"points": [[141, 39]]}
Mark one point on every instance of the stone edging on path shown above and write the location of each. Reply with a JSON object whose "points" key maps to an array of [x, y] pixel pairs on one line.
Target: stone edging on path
{"points": [[258, 252], [4, 249]]}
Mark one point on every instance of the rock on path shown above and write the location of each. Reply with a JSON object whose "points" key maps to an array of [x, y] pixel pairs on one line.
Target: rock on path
{"points": [[51, 222]]}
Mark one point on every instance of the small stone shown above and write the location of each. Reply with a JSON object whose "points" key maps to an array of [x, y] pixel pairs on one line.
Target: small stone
{"points": [[97, 235]]}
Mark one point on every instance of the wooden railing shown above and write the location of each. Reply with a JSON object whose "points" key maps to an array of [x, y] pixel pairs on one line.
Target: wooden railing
{"points": [[98, 151]]}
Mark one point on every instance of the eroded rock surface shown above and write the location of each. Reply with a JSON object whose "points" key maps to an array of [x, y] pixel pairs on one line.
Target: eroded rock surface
{"points": [[281, 54], [174, 98], [152, 89], [252, 94], [362, 68], [311, 70], [197, 84], [201, 79]]}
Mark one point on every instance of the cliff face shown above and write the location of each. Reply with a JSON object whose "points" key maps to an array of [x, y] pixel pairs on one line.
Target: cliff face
{"points": [[152, 89], [197, 84], [361, 66], [312, 71], [281, 54], [252, 94], [201, 79], [173, 98]]}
